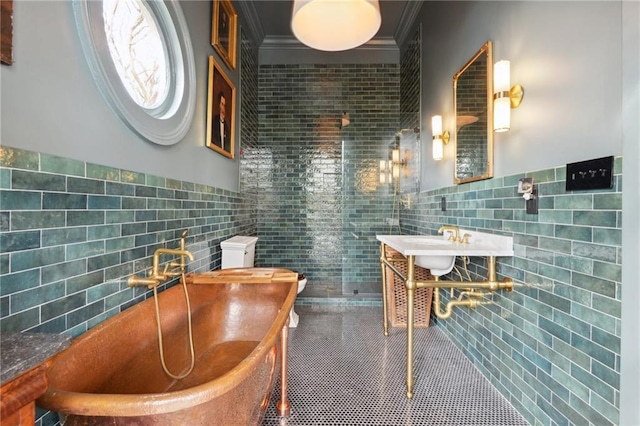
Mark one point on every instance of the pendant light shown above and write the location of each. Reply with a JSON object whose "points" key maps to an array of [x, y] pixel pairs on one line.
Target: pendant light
{"points": [[335, 25]]}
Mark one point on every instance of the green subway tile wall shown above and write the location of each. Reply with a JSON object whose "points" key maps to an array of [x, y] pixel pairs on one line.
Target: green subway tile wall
{"points": [[552, 346], [71, 233], [320, 200], [69, 242]]}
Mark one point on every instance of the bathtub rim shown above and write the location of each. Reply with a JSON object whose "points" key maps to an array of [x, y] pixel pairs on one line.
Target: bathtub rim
{"points": [[129, 405]]}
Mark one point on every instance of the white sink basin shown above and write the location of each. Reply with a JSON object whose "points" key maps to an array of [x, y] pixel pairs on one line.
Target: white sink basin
{"points": [[437, 253]]}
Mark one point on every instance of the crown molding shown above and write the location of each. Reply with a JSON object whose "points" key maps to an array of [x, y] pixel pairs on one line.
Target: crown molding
{"points": [[292, 43], [288, 49], [408, 17], [249, 14]]}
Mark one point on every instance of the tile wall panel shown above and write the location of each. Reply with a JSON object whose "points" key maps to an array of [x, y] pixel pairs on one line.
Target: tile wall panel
{"points": [[319, 195], [72, 233], [552, 346], [69, 242], [410, 77]]}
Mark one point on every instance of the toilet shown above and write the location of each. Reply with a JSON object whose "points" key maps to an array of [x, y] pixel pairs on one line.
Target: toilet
{"points": [[238, 252], [293, 316]]}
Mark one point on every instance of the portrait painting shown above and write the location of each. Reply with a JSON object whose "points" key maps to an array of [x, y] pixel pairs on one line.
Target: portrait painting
{"points": [[221, 105], [223, 31]]}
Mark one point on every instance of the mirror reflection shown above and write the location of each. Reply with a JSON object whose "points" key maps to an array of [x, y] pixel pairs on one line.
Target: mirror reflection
{"points": [[472, 92]]}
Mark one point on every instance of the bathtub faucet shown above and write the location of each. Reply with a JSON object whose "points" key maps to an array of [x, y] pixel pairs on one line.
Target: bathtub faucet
{"points": [[178, 267]]}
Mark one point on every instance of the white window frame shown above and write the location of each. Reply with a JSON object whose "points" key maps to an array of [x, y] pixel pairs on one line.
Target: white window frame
{"points": [[169, 123]]}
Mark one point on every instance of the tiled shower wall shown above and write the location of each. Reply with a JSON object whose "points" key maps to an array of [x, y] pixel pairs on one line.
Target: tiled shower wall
{"points": [[320, 200], [410, 78], [552, 346]]}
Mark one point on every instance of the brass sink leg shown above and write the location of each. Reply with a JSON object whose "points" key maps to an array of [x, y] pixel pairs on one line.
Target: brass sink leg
{"points": [[411, 293], [385, 315]]}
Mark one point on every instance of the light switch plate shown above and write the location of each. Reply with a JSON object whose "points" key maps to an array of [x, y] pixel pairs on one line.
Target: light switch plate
{"points": [[590, 174]]}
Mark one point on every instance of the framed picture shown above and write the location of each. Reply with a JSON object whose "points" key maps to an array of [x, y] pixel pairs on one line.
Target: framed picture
{"points": [[223, 31], [221, 111], [6, 32]]}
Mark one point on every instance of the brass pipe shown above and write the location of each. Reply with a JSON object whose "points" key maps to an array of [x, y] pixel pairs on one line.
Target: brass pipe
{"points": [[390, 263], [385, 315], [492, 284], [470, 303], [410, 284], [183, 246], [135, 280], [471, 293], [505, 284]]}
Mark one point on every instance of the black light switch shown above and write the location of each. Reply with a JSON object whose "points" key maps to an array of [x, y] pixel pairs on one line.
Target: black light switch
{"points": [[590, 174]]}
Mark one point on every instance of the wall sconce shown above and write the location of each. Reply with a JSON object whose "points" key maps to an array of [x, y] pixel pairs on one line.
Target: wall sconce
{"points": [[440, 138], [386, 171], [390, 169], [505, 96], [335, 25], [397, 162]]}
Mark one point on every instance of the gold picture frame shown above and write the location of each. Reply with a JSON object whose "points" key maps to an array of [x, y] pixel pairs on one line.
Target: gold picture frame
{"points": [[6, 32], [224, 23], [221, 111]]}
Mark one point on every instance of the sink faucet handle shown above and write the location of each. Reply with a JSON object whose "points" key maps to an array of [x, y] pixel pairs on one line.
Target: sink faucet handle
{"points": [[465, 238], [454, 232]]}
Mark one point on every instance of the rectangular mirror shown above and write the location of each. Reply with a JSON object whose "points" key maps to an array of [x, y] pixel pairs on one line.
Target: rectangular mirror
{"points": [[473, 96]]}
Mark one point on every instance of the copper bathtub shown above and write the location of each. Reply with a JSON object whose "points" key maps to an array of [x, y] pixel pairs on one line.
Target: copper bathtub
{"points": [[113, 375]]}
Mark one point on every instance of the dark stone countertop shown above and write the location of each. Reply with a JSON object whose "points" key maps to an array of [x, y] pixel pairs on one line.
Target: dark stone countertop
{"points": [[19, 352]]}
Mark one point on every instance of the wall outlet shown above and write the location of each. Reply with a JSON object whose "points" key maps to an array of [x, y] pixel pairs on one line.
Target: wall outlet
{"points": [[443, 204], [590, 174]]}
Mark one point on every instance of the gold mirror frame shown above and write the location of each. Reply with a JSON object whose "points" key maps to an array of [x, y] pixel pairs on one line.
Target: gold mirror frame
{"points": [[473, 133]]}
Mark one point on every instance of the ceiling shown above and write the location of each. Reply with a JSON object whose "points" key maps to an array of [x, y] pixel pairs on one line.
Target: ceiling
{"points": [[274, 17]]}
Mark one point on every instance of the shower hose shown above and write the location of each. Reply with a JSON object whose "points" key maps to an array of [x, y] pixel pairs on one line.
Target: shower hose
{"points": [[160, 345]]}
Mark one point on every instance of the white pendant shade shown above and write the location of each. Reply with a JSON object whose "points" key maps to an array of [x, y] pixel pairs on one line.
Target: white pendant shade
{"points": [[334, 25]]}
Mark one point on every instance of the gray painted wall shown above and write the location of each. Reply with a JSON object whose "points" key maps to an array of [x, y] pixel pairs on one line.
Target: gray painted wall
{"points": [[567, 56], [50, 101], [579, 65], [630, 344]]}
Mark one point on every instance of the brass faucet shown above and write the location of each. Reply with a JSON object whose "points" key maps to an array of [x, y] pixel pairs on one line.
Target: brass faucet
{"points": [[166, 273], [156, 277], [454, 232]]}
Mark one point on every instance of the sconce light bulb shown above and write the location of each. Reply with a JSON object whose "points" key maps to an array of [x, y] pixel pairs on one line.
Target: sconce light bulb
{"points": [[502, 76], [502, 103], [436, 125], [502, 115], [437, 149], [395, 155]]}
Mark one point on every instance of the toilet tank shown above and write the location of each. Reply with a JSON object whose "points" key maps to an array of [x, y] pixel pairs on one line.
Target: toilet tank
{"points": [[238, 252]]}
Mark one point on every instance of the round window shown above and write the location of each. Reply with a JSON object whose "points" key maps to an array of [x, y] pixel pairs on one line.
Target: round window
{"points": [[141, 57]]}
